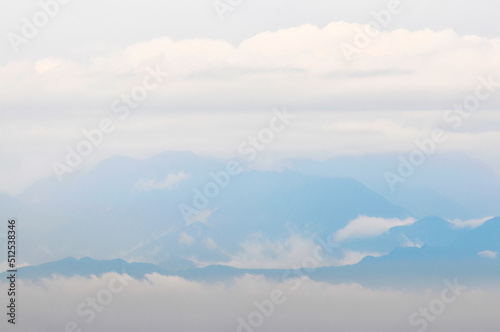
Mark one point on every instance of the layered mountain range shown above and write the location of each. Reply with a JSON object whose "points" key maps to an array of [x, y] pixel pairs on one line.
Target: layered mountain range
{"points": [[135, 210]]}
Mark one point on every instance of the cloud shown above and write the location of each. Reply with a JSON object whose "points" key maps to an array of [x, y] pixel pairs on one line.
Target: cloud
{"points": [[294, 252], [488, 254], [44, 65], [168, 183], [173, 303], [364, 226], [210, 244], [300, 67], [201, 217], [407, 243], [186, 239], [260, 252], [354, 257], [470, 223], [269, 68], [26, 143]]}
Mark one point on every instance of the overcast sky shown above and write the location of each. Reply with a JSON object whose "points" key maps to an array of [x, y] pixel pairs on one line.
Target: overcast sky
{"points": [[224, 77], [93, 26]]}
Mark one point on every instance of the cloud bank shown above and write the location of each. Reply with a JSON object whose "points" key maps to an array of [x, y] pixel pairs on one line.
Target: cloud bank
{"points": [[213, 90], [172, 303], [301, 66]]}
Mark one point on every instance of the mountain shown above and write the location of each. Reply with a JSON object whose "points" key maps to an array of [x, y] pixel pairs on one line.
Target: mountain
{"points": [[86, 267], [130, 209], [449, 185], [483, 238], [404, 267], [456, 256], [267, 202]]}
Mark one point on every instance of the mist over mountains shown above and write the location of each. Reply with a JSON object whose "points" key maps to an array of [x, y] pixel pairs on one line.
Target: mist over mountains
{"points": [[130, 209]]}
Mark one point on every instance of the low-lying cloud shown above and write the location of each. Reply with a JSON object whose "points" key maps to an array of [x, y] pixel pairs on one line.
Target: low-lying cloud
{"points": [[470, 223], [168, 183], [488, 254], [363, 227], [294, 252], [161, 303]]}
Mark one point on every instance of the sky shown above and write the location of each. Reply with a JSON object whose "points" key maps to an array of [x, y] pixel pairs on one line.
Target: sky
{"points": [[154, 75], [218, 80]]}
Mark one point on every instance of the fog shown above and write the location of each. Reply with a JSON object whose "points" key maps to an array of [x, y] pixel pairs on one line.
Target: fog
{"points": [[162, 303]]}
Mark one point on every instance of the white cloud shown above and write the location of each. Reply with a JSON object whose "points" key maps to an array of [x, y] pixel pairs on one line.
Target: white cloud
{"points": [[168, 183], [204, 71], [407, 243], [364, 226], [470, 223], [26, 144], [488, 254], [210, 244], [294, 252], [259, 252], [201, 217], [41, 66], [171, 303], [186, 239], [299, 67], [354, 257]]}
